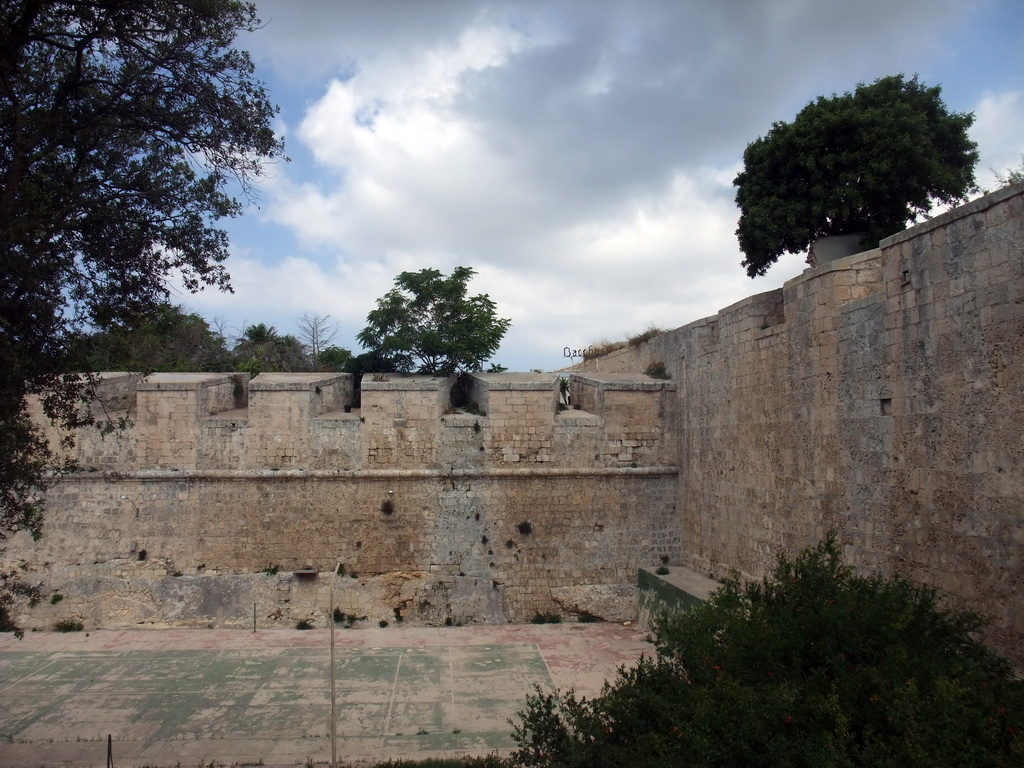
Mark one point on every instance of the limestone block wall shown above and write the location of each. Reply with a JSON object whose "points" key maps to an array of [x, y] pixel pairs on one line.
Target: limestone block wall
{"points": [[402, 416], [879, 395], [282, 407], [442, 515], [520, 409], [932, 422], [638, 417], [98, 447], [169, 407], [471, 546]]}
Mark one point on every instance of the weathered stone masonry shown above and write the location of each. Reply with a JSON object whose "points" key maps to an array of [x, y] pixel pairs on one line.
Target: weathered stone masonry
{"points": [[441, 516], [881, 395]]}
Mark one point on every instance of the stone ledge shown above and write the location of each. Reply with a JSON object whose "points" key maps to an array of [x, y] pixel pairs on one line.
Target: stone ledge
{"points": [[403, 382], [624, 382], [182, 381], [960, 212], [680, 587], [163, 475], [516, 381], [463, 420], [294, 382], [572, 417]]}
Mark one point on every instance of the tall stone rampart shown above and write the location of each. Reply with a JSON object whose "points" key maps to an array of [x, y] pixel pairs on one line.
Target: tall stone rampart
{"points": [[880, 395], [489, 513]]}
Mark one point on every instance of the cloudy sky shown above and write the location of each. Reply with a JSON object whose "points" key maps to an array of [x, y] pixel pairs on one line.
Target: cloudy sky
{"points": [[578, 155]]}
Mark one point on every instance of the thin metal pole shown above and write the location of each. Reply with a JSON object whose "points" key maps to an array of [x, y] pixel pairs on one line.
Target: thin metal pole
{"points": [[334, 719], [254, 617]]}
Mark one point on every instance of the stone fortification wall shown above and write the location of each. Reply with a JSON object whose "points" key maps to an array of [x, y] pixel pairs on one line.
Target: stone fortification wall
{"points": [[880, 395], [500, 512]]}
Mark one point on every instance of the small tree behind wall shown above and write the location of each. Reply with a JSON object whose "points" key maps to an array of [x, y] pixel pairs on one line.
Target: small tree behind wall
{"points": [[429, 323], [866, 162]]}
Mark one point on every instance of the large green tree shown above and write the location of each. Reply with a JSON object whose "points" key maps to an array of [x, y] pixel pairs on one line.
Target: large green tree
{"points": [[167, 339], [429, 323], [126, 131], [814, 666], [866, 162]]}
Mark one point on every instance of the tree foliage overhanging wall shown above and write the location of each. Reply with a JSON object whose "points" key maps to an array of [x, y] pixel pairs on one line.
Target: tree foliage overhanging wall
{"points": [[866, 163], [123, 127]]}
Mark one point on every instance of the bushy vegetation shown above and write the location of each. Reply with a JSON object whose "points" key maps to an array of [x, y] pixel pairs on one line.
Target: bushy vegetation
{"points": [[657, 370], [865, 163], [813, 666], [428, 323]]}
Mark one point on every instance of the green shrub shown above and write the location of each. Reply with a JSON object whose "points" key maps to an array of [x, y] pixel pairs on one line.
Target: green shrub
{"points": [[813, 666], [339, 616], [68, 625], [271, 570], [662, 570], [303, 624], [55, 598], [657, 370]]}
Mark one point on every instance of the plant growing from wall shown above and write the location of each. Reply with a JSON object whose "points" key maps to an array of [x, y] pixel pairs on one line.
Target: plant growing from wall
{"points": [[546, 618], [811, 666], [643, 337], [525, 528], [656, 370], [866, 162], [387, 507]]}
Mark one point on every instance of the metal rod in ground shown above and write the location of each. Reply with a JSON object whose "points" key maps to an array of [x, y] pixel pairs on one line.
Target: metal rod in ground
{"points": [[334, 719], [254, 617]]}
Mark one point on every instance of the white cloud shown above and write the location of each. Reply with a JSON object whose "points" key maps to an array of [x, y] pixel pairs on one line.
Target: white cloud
{"points": [[579, 156], [999, 130]]}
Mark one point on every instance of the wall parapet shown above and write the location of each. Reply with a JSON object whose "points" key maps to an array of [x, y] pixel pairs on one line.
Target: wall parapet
{"points": [[312, 422]]}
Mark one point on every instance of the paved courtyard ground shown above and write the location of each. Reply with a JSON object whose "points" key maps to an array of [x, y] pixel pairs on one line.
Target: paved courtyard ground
{"points": [[231, 697]]}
